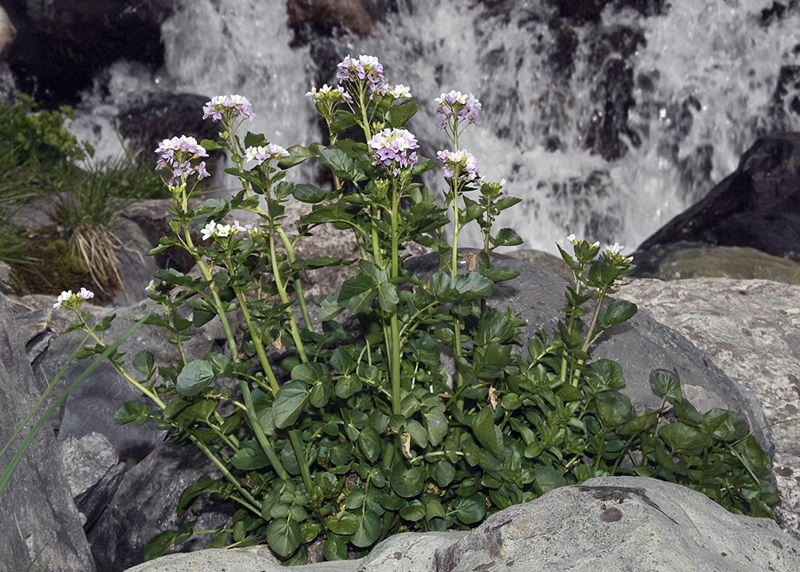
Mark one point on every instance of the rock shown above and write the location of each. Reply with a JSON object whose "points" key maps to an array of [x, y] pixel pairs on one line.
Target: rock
{"points": [[622, 523], [7, 32], [314, 18], [735, 262], [86, 460], [152, 117], [41, 523], [544, 260], [609, 523], [758, 206], [62, 43], [144, 506], [751, 330]]}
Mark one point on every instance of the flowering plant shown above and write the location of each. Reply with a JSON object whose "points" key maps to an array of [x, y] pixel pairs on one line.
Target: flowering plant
{"points": [[324, 431]]}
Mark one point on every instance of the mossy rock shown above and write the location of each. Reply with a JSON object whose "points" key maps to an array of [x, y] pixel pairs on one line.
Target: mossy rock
{"points": [[735, 262]]}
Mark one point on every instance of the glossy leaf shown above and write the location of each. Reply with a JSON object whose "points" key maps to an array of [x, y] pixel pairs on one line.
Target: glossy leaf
{"points": [[290, 401], [666, 383], [195, 377], [283, 536]]}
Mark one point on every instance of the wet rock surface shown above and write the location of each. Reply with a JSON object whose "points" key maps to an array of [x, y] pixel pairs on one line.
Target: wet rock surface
{"points": [[757, 206]]}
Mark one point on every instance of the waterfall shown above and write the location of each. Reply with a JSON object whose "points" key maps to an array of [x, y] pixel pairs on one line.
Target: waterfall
{"points": [[606, 129]]}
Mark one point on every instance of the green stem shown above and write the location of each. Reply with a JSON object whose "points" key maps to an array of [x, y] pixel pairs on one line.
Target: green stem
{"points": [[256, 337], [251, 502], [259, 432]]}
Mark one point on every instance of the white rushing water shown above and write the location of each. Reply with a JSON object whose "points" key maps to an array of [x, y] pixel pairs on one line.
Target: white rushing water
{"points": [[703, 84]]}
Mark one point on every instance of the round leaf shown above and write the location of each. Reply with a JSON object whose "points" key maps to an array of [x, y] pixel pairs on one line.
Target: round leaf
{"points": [[283, 536], [195, 377]]}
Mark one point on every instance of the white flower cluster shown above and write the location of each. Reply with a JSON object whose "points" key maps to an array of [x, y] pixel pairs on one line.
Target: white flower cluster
{"points": [[400, 92], [66, 298], [217, 230]]}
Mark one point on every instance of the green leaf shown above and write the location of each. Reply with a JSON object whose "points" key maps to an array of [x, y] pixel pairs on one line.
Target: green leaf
{"points": [[613, 408], [506, 237], [666, 383], [283, 536], [334, 548], [487, 433], [290, 401], [461, 288], [144, 362], [368, 531], [369, 283], [751, 448], [547, 478], [309, 531], [618, 312], [343, 522], [159, 544], [436, 424], [413, 511], [316, 262], [498, 273], [725, 425], [309, 372], [399, 115], [340, 163], [306, 193], [418, 433], [132, 411], [683, 439], [469, 510], [407, 482], [348, 386], [342, 361], [297, 154], [605, 374], [370, 443], [424, 348], [320, 394], [194, 377], [443, 473], [495, 327], [249, 457], [220, 364]]}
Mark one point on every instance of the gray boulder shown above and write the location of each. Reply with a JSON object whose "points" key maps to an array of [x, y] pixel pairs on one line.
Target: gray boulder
{"points": [[613, 524], [751, 330], [40, 522]]}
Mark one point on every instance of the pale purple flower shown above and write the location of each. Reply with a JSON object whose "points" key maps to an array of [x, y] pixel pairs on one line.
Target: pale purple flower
{"points": [[365, 68], [461, 162], [228, 107], [177, 154], [455, 106], [391, 149], [265, 153]]}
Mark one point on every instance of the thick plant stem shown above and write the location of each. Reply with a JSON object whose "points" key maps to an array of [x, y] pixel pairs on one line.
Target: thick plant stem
{"points": [[576, 374], [256, 337], [394, 324], [273, 255], [260, 435]]}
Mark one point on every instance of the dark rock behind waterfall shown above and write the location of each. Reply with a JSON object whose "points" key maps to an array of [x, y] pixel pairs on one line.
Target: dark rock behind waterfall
{"points": [[757, 206]]}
